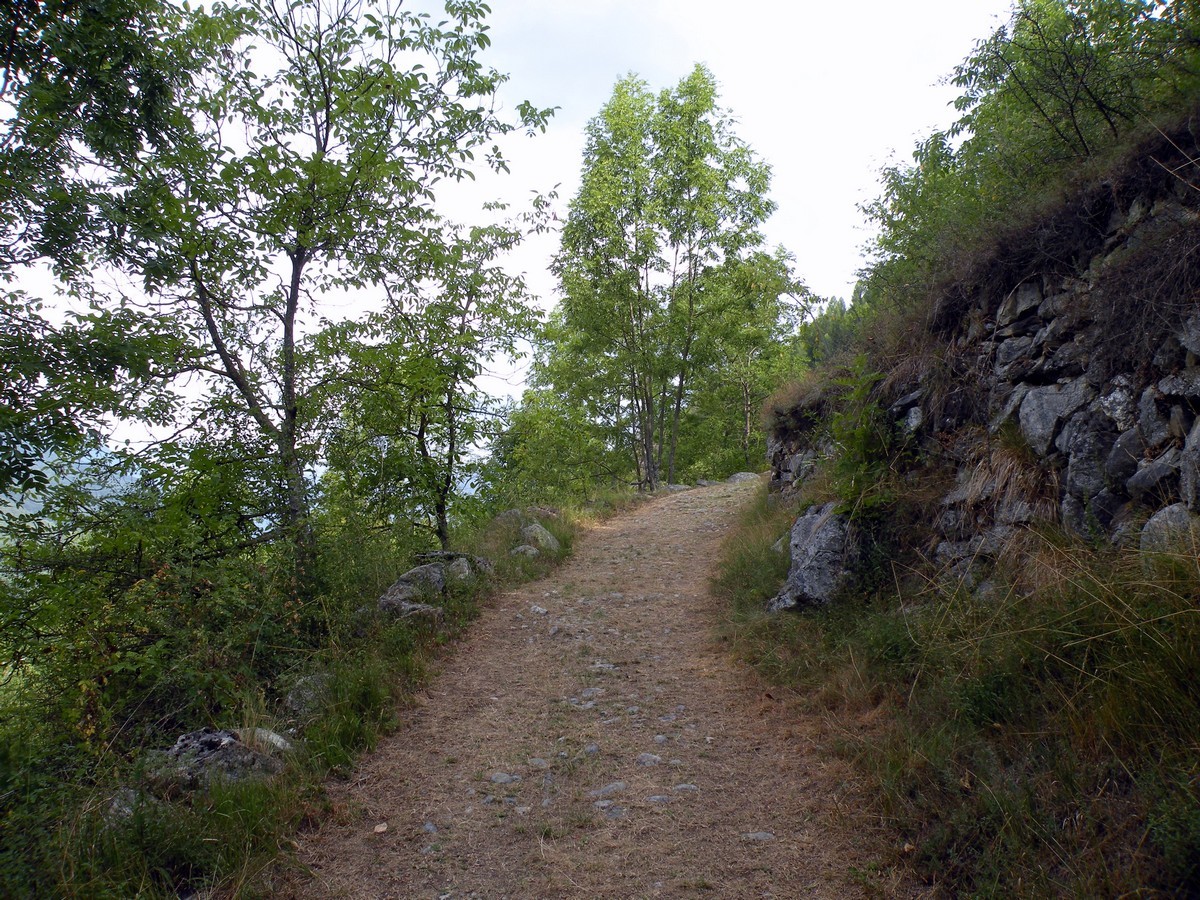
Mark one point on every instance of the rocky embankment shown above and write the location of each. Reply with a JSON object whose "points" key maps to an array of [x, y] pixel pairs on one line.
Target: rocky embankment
{"points": [[1060, 382]]}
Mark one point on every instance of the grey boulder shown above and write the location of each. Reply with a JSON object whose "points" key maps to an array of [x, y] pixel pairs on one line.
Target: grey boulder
{"points": [[739, 477], [406, 595], [1044, 409], [1171, 528], [536, 535], [824, 548], [199, 758]]}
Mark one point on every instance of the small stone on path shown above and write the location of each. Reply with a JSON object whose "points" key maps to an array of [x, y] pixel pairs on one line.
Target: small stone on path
{"points": [[608, 790]]}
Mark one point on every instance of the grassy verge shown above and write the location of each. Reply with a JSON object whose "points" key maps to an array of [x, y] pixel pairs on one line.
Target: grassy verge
{"points": [[78, 816], [1037, 737]]}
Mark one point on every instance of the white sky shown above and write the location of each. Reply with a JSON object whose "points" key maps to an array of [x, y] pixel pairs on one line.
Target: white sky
{"points": [[826, 93]]}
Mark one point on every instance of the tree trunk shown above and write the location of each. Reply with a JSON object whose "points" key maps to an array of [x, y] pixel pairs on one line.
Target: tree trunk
{"points": [[680, 387], [442, 499], [746, 429], [296, 515], [648, 437]]}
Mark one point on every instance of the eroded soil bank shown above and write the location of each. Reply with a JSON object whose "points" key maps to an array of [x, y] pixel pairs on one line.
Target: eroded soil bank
{"points": [[591, 739]]}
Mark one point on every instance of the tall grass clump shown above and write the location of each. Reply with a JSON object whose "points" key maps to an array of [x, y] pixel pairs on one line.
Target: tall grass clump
{"points": [[1034, 737]]}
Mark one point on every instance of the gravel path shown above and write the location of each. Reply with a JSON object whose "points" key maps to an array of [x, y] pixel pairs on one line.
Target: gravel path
{"points": [[589, 738]]}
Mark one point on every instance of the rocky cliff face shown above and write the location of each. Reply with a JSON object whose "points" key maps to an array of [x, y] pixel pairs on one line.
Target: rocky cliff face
{"points": [[1066, 386]]}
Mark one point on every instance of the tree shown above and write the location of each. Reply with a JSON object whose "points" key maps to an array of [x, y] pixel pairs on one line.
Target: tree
{"points": [[669, 196], [90, 89], [310, 176], [1063, 82], [611, 249], [406, 411]]}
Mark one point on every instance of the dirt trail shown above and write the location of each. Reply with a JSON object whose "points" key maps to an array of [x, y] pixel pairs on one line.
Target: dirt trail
{"points": [[589, 739]]}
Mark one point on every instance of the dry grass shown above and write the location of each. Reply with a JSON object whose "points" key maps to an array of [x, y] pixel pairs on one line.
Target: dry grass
{"points": [[1034, 740], [799, 405]]}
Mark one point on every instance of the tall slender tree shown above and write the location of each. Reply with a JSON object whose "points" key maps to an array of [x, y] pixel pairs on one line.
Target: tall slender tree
{"points": [[669, 196]]}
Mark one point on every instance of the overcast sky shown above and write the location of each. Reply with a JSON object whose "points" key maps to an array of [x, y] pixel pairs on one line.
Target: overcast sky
{"points": [[826, 93]]}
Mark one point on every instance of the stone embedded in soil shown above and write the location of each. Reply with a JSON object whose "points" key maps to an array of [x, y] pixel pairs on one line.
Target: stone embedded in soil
{"points": [[429, 828], [685, 788], [658, 798], [660, 739], [608, 790], [537, 762], [616, 812], [505, 778], [591, 749], [648, 759]]}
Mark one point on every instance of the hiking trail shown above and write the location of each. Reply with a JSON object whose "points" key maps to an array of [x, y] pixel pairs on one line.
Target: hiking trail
{"points": [[590, 737]]}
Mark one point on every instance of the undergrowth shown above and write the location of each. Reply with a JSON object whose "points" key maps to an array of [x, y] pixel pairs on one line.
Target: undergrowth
{"points": [[78, 815], [1035, 738]]}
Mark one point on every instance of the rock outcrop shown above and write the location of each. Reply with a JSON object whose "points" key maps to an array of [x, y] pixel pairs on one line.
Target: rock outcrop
{"points": [[1069, 394], [199, 758], [824, 549]]}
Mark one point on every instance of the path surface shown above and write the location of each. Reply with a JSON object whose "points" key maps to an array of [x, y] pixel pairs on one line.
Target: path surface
{"points": [[590, 739]]}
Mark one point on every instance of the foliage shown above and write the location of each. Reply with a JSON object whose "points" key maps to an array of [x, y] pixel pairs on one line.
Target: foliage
{"points": [[553, 449], [243, 164], [1060, 88], [671, 311], [405, 413], [90, 89], [862, 444], [328, 187]]}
